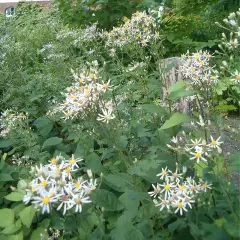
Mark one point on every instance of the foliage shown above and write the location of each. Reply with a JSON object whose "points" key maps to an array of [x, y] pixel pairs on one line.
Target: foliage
{"points": [[81, 103]]}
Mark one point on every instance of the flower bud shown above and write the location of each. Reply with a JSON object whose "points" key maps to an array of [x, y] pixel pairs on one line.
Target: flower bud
{"points": [[232, 16], [225, 20], [89, 173], [224, 63]]}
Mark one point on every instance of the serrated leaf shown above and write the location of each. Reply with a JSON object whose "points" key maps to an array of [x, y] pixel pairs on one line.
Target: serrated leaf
{"points": [[146, 169], [107, 200], [15, 196], [176, 119], [52, 142], [7, 215], [27, 215], [234, 162]]}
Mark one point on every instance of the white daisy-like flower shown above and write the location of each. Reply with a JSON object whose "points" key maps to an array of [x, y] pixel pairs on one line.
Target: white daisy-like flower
{"points": [[106, 115], [195, 143], [198, 155], [215, 143], [73, 162], [90, 186], [205, 186], [236, 77], [163, 174], [44, 201], [78, 200], [65, 203], [167, 189], [181, 206], [163, 204], [156, 190]]}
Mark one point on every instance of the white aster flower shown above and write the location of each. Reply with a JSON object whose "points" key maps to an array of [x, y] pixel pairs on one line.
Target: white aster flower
{"points": [[156, 190], [106, 116], [78, 200], [198, 155], [163, 174], [44, 201], [215, 143], [181, 206]]}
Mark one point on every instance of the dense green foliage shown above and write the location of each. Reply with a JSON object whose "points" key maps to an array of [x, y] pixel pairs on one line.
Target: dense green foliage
{"points": [[94, 104]]}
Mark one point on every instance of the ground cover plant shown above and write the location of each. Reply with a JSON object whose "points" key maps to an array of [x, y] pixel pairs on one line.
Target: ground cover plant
{"points": [[104, 136]]}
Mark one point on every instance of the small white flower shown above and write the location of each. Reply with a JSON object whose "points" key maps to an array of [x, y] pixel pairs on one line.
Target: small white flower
{"points": [[163, 174], [78, 200], [215, 143], [156, 191], [198, 155], [163, 203], [106, 116], [181, 206], [205, 186], [44, 201]]}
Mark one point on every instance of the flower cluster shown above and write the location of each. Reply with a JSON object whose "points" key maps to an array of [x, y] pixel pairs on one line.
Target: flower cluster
{"points": [[175, 193], [198, 149], [230, 44], [51, 234], [10, 120], [54, 186], [86, 95], [196, 68], [141, 28]]}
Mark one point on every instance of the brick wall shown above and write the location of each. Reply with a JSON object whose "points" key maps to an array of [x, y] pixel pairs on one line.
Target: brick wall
{"points": [[4, 6]]}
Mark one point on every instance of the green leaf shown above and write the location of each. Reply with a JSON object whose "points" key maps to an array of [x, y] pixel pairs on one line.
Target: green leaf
{"points": [[15, 196], [153, 109], [19, 236], [178, 224], [129, 201], [27, 215], [147, 169], [232, 229], [177, 86], [6, 216], [93, 162], [5, 143], [37, 233], [5, 177], [12, 228], [44, 125], [234, 162], [107, 200], [120, 182], [176, 119], [52, 142]]}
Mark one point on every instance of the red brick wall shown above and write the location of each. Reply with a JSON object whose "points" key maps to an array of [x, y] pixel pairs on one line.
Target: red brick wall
{"points": [[4, 6]]}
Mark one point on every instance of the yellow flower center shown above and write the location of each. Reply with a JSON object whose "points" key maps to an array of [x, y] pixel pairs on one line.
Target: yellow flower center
{"points": [[180, 205], [77, 184], [164, 202], [214, 142], [234, 43], [68, 169], [182, 188], [204, 185], [45, 200], [72, 161], [167, 187], [193, 188], [198, 155], [92, 188], [157, 35], [201, 62], [78, 200], [33, 189], [57, 170], [44, 183], [105, 86], [238, 77], [54, 161], [139, 35], [163, 172]]}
